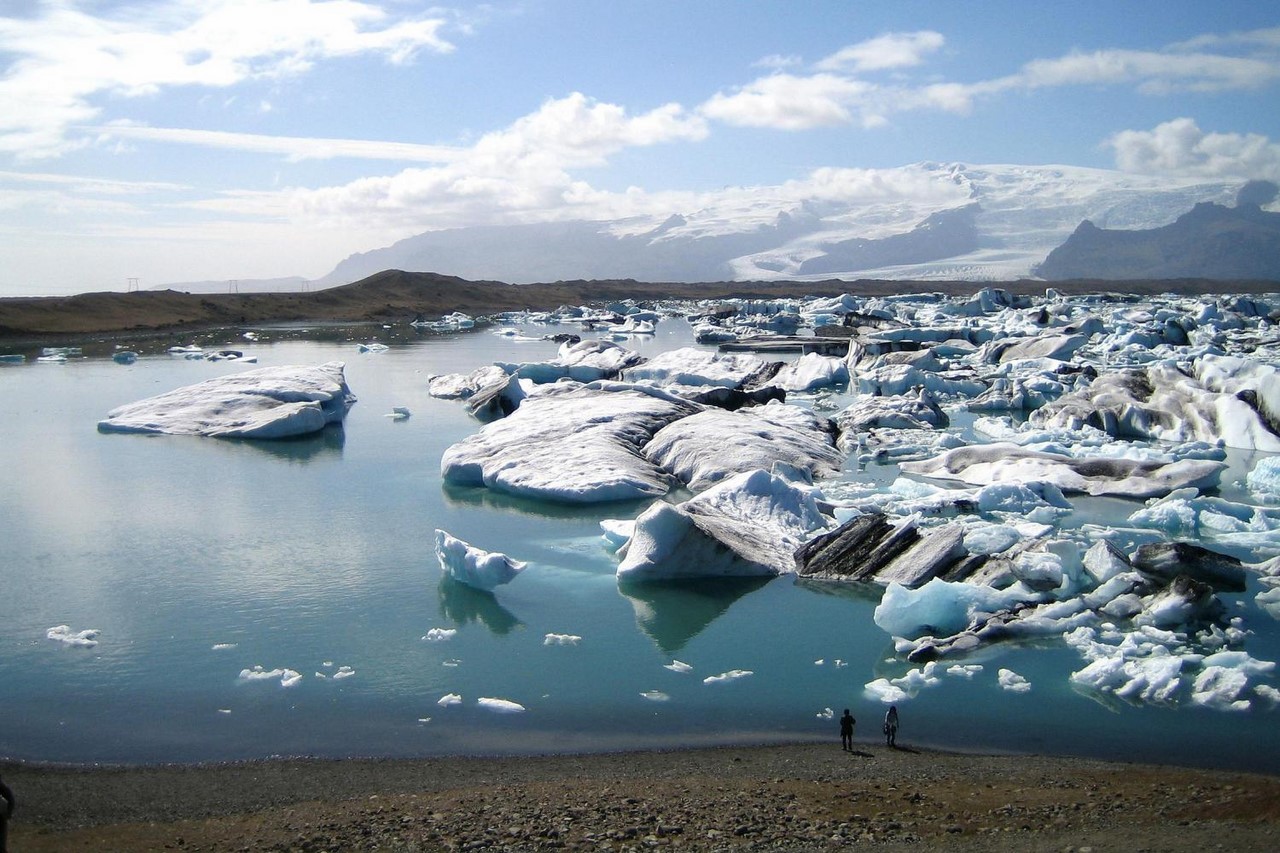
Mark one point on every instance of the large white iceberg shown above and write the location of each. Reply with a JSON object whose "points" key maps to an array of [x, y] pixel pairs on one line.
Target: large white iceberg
{"points": [[748, 525], [707, 447], [573, 444], [271, 402]]}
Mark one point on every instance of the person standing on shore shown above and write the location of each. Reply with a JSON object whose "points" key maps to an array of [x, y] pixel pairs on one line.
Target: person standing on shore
{"points": [[5, 814], [846, 731], [891, 726]]}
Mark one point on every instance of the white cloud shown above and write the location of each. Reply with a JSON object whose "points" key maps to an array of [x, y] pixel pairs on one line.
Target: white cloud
{"points": [[835, 95], [1180, 147], [519, 173], [892, 50], [293, 148], [777, 61], [790, 102], [64, 57]]}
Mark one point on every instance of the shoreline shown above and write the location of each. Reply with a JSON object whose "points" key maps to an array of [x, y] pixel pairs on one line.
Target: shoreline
{"points": [[785, 797]]}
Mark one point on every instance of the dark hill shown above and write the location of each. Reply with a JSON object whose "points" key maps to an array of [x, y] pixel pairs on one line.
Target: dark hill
{"points": [[393, 296], [1210, 241]]}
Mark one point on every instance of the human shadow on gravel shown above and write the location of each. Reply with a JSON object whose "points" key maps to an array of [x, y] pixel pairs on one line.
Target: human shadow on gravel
{"points": [[861, 754]]}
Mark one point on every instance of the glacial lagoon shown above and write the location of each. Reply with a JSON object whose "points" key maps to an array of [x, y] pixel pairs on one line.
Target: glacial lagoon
{"points": [[198, 560]]}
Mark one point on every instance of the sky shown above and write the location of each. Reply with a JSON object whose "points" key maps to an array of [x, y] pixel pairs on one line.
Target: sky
{"points": [[219, 140]]}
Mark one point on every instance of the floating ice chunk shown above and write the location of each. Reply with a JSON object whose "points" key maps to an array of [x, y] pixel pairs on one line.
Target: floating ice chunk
{"points": [[561, 640], [656, 696], [820, 662], [617, 531], [398, 413], [373, 346], [1264, 479], [218, 647], [344, 672], [272, 402], [424, 719], [224, 710], [885, 692], [825, 714], [452, 662], [964, 670], [748, 525], [1008, 463], [939, 607], [576, 444], [693, 366], [1266, 691], [1220, 687], [500, 706], [288, 677], [678, 666], [726, 677], [483, 570], [812, 371], [83, 639], [1013, 682], [439, 635], [712, 445], [449, 699]]}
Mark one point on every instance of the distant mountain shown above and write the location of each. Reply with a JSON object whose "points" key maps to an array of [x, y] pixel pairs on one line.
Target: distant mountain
{"points": [[920, 222], [927, 221], [1211, 241]]}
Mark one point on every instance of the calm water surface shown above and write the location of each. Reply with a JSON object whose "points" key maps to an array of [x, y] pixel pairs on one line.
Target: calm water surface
{"points": [[316, 554]]}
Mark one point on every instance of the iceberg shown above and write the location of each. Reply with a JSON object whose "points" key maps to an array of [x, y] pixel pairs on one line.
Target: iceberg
{"points": [[693, 366], [711, 445], [1004, 462], [571, 444], [478, 569], [746, 526], [271, 402]]}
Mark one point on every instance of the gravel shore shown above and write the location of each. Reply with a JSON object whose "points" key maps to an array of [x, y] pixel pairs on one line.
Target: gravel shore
{"points": [[801, 797]]}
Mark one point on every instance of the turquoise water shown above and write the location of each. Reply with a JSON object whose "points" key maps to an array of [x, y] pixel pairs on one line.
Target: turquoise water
{"points": [[317, 551]]}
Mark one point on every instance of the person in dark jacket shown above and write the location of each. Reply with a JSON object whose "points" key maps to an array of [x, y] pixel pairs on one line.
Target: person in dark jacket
{"points": [[846, 731]]}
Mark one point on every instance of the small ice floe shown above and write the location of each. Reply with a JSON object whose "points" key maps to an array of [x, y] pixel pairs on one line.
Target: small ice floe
{"points": [[222, 647], [424, 719], [124, 357], [12, 358], [839, 664], [962, 670], [561, 640], [825, 714], [482, 570], [250, 336], [617, 531], [51, 359], [500, 706], [906, 686], [656, 696], [372, 347], [82, 639], [452, 662], [726, 677], [327, 664], [189, 349], [224, 710], [287, 677], [820, 662], [440, 635], [449, 699], [398, 413], [678, 666], [344, 672], [1013, 682]]}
